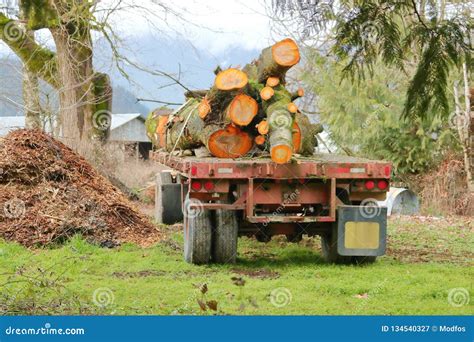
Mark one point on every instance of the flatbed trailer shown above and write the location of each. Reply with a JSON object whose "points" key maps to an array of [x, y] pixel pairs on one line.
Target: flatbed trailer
{"points": [[328, 195]]}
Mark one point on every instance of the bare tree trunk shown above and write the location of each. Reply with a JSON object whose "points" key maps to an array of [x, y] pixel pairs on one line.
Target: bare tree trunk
{"points": [[463, 120], [74, 59]]}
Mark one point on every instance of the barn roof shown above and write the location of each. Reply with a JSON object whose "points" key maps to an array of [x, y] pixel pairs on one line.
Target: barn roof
{"points": [[10, 123]]}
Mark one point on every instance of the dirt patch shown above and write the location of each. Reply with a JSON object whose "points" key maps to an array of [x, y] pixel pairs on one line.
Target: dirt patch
{"points": [[48, 193], [259, 274], [418, 239]]}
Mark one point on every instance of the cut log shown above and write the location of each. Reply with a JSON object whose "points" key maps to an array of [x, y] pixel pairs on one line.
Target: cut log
{"points": [[292, 108], [275, 60], [297, 94], [231, 79], [242, 109], [304, 135], [272, 81], [228, 142], [260, 139], [266, 93], [204, 108], [262, 127]]}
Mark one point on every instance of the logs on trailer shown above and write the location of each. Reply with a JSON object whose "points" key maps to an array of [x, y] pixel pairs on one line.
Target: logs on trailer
{"points": [[245, 111]]}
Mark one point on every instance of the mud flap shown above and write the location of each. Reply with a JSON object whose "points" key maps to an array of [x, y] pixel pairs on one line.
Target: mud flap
{"points": [[361, 230]]}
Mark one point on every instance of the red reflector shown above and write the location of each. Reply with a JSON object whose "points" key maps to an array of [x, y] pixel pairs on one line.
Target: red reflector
{"points": [[196, 186], [382, 185], [369, 185], [194, 170], [209, 186]]}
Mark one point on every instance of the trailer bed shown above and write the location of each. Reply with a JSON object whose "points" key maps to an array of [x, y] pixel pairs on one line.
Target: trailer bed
{"points": [[320, 165]]}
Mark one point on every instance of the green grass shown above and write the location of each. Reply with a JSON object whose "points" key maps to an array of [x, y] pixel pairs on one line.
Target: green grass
{"points": [[156, 280]]}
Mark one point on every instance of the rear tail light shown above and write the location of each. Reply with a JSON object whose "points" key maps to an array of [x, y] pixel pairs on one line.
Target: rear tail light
{"points": [[369, 185], [196, 186], [382, 184], [209, 186]]}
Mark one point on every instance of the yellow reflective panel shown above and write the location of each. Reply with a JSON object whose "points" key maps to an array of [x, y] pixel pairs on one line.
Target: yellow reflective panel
{"points": [[361, 235]]}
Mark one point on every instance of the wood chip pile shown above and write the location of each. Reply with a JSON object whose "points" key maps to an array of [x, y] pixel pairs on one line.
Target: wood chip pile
{"points": [[48, 194]]}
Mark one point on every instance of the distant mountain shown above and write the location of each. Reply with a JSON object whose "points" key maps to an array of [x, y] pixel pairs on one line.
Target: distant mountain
{"points": [[11, 100]]}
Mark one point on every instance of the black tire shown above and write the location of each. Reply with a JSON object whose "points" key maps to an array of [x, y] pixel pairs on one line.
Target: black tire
{"points": [[168, 208], [224, 249], [329, 250], [198, 238]]}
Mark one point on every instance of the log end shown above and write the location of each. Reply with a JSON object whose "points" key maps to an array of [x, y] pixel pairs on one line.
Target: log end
{"points": [[263, 127], [281, 154], [292, 108], [204, 108], [230, 142], [242, 109], [260, 139], [272, 81], [296, 138], [286, 53], [267, 93], [231, 79]]}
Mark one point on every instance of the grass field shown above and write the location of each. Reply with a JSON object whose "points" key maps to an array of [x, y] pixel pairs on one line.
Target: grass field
{"points": [[428, 261]]}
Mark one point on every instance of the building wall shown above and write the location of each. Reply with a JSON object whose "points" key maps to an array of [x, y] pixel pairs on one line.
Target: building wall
{"points": [[131, 131]]}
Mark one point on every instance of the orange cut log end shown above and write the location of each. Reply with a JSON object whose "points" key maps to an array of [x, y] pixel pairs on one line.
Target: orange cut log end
{"points": [[242, 109], [260, 139], [286, 53], [281, 154], [296, 137], [266, 93], [273, 81], [204, 108], [231, 79], [292, 108], [300, 92], [161, 130], [263, 127], [230, 142]]}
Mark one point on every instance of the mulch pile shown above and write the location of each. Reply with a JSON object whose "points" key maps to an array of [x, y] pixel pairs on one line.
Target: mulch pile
{"points": [[48, 193]]}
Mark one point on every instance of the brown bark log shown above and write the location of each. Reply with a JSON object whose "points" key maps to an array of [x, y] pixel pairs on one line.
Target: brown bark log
{"points": [[275, 60]]}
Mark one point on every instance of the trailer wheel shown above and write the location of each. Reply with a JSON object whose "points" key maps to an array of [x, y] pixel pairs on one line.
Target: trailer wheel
{"points": [[167, 199], [329, 250], [224, 248], [197, 238]]}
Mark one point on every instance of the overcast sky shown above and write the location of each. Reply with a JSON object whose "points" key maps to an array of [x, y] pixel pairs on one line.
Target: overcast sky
{"points": [[193, 36]]}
